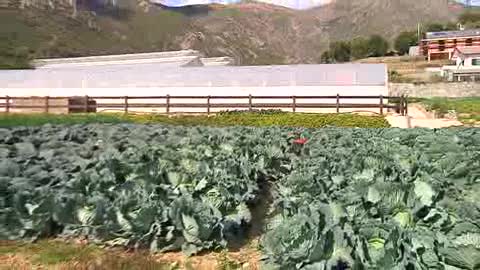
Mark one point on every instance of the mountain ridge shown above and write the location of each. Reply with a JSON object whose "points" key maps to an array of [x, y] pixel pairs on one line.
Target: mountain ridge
{"points": [[252, 33]]}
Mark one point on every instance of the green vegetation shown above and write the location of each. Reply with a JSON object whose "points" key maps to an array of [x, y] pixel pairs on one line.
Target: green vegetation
{"points": [[378, 46], [230, 119], [342, 51], [339, 52], [396, 77], [40, 34], [470, 18], [359, 48], [404, 41], [12, 57], [438, 27], [15, 55], [374, 199], [467, 109], [49, 34], [340, 198]]}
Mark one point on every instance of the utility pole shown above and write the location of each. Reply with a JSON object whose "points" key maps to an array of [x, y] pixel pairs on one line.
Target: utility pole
{"points": [[418, 31]]}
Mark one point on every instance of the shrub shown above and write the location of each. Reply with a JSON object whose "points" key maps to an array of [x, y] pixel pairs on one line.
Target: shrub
{"points": [[359, 48], [434, 27], [339, 52], [437, 27], [326, 58], [404, 41], [377, 46], [469, 17]]}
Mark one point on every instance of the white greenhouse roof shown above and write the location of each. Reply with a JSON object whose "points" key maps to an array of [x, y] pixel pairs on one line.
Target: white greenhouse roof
{"points": [[173, 75]]}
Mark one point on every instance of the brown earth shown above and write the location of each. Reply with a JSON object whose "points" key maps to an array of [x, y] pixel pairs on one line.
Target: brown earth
{"points": [[60, 254]]}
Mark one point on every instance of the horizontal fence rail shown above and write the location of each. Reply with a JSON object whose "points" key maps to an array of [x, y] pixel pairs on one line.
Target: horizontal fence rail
{"points": [[73, 104]]}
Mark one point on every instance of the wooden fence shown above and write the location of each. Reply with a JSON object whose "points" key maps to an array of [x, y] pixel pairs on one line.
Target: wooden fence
{"points": [[207, 103]]}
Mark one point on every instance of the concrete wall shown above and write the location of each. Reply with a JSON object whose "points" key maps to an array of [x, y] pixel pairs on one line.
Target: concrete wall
{"points": [[464, 89]]}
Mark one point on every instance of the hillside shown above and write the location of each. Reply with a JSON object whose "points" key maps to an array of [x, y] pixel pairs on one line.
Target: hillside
{"points": [[252, 33], [347, 19]]}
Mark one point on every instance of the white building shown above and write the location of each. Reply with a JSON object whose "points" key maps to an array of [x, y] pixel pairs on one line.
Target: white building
{"points": [[467, 65], [467, 56], [134, 76]]}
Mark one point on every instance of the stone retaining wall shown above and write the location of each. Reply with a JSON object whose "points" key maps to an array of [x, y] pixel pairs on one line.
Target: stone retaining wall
{"points": [[463, 89]]}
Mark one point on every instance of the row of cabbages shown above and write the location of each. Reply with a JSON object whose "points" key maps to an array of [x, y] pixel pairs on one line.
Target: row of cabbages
{"points": [[166, 188], [380, 199]]}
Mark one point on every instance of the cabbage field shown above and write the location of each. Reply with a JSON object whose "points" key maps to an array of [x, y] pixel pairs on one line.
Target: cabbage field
{"points": [[339, 198]]}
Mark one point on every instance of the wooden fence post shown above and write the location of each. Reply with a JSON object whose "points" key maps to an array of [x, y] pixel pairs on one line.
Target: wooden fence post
{"points": [[47, 104], [401, 105], [7, 104], [381, 104], [208, 105], [250, 102], [294, 104], [406, 105], [338, 103], [125, 104], [168, 104], [86, 104]]}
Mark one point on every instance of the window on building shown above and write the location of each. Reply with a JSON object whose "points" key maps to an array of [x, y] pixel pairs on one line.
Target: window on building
{"points": [[476, 62], [468, 42], [441, 45]]}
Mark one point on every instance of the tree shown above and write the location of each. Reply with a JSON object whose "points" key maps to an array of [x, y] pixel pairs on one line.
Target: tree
{"points": [[326, 58], [340, 51], [451, 26], [377, 46], [434, 27], [438, 27], [469, 17], [359, 48], [404, 41]]}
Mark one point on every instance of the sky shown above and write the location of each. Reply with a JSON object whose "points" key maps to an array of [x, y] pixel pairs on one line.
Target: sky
{"points": [[474, 2], [295, 4]]}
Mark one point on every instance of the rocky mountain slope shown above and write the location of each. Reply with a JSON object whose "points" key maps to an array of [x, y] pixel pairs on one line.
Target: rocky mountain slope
{"points": [[252, 33], [301, 36], [362, 17]]}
